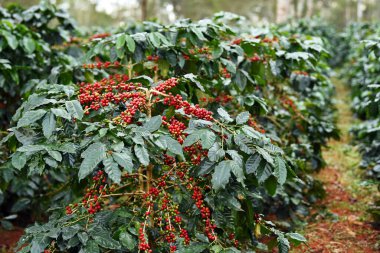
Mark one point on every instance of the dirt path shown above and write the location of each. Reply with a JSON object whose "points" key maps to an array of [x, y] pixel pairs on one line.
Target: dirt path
{"points": [[339, 223]]}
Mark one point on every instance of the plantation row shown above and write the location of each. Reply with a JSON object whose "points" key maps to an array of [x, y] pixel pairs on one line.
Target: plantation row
{"points": [[178, 138], [363, 74]]}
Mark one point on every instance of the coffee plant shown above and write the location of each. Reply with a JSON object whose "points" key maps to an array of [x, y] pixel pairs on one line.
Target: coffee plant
{"points": [[29, 51], [169, 138], [364, 81]]}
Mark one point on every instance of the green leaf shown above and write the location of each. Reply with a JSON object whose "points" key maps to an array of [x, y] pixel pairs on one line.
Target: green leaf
{"points": [[237, 170], [252, 132], [264, 172], [234, 203], [191, 139], [124, 160], [11, 40], [105, 241], [253, 163], [271, 185], [142, 154], [55, 155], [120, 42], [280, 170], [296, 237], [198, 33], [91, 247], [230, 66], [130, 43], [30, 117], [215, 153], [153, 124], [48, 124], [83, 237], [94, 154], [32, 148], [112, 169], [236, 157], [29, 44], [217, 52], [283, 244], [298, 56], [265, 155], [173, 146], [224, 114], [75, 109], [242, 118], [19, 160], [221, 175], [207, 138], [154, 39], [192, 78], [216, 248], [61, 113], [127, 240], [20, 204], [51, 162]]}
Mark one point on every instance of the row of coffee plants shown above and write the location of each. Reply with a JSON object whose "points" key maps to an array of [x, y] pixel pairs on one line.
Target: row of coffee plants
{"points": [[177, 139], [335, 42], [364, 78], [29, 40], [363, 74]]}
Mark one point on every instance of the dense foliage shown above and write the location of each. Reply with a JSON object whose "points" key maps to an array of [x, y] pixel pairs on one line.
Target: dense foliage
{"points": [[169, 138], [364, 78], [28, 45]]}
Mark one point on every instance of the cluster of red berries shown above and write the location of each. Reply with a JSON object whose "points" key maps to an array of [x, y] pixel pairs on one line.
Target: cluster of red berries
{"points": [[237, 41], [288, 102], [221, 99], [234, 241], [225, 73], [169, 160], [202, 50], [255, 58], [154, 58], [175, 126], [196, 153], [256, 126], [269, 40], [115, 90], [205, 213], [185, 56], [167, 85], [301, 73], [137, 102], [143, 244], [102, 65], [100, 36], [69, 208], [191, 110], [108, 90], [91, 200]]}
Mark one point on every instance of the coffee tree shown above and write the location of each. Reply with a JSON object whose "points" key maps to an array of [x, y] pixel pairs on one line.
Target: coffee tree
{"points": [[161, 172], [175, 138]]}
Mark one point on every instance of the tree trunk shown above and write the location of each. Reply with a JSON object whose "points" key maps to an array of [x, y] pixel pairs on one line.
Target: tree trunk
{"points": [[295, 8], [144, 9], [359, 10], [309, 8], [283, 10]]}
